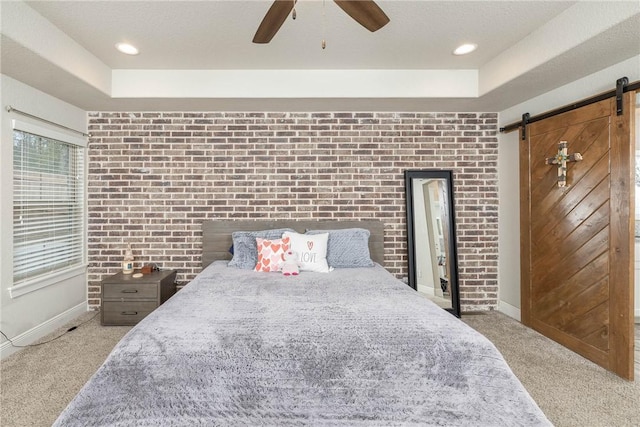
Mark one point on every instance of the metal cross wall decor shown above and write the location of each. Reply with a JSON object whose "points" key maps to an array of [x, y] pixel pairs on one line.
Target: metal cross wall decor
{"points": [[561, 160]]}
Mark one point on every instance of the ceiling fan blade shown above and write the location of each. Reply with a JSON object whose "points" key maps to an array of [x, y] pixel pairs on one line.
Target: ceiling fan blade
{"points": [[273, 20], [366, 12]]}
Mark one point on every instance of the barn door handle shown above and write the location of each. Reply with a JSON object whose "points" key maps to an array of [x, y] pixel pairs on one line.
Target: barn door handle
{"points": [[130, 291], [129, 313]]}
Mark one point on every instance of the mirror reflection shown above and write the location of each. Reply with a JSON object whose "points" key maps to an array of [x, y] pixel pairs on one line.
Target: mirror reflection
{"points": [[431, 237]]}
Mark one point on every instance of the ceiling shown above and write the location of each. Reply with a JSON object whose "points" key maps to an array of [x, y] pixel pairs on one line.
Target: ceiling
{"points": [[197, 55]]}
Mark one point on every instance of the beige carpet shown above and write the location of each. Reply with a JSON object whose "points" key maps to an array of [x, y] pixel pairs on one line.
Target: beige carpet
{"points": [[37, 383], [570, 390]]}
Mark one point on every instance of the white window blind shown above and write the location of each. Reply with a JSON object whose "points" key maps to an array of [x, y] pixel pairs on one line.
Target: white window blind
{"points": [[48, 206]]}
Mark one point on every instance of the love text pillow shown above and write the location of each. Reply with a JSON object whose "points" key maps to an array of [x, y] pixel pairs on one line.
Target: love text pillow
{"points": [[311, 251]]}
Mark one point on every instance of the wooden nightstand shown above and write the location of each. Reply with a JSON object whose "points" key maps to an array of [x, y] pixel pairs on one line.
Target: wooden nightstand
{"points": [[127, 300]]}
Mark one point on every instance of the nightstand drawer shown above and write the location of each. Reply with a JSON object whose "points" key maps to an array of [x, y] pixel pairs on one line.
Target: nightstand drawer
{"points": [[126, 313], [130, 291], [127, 299]]}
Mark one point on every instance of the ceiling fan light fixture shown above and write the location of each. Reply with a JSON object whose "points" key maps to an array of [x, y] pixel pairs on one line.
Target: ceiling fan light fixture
{"points": [[465, 49], [127, 48]]}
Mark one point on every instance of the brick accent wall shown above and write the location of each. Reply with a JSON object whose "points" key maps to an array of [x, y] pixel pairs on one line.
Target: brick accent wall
{"points": [[154, 177]]}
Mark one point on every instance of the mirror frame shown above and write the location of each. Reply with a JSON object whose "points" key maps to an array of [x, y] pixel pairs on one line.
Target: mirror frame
{"points": [[447, 175]]}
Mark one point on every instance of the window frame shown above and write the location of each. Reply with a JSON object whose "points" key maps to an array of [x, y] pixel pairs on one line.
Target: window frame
{"points": [[50, 278]]}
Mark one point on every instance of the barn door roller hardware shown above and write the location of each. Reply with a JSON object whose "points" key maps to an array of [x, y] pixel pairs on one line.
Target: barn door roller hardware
{"points": [[622, 86], [525, 121]]}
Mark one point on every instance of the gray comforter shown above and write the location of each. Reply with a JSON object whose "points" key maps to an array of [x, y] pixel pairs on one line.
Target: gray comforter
{"points": [[351, 347]]}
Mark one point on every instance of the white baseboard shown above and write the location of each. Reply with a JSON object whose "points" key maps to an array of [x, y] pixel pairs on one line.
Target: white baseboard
{"points": [[45, 328], [427, 290], [509, 310]]}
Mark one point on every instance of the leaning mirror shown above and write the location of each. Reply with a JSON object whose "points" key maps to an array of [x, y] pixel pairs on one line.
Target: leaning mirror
{"points": [[431, 237]]}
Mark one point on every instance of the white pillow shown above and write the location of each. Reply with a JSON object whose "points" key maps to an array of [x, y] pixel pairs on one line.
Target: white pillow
{"points": [[311, 250]]}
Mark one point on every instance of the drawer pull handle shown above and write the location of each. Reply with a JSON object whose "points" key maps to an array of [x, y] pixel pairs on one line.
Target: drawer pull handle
{"points": [[130, 291], [129, 313]]}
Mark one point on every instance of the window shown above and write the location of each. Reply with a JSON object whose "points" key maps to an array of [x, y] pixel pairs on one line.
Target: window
{"points": [[48, 203]]}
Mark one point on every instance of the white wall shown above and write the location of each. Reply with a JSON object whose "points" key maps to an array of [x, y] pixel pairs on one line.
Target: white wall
{"points": [[30, 316], [423, 255], [508, 176]]}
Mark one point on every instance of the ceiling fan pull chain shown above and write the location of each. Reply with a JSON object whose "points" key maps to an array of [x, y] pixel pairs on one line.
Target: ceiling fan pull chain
{"points": [[293, 14], [324, 25]]}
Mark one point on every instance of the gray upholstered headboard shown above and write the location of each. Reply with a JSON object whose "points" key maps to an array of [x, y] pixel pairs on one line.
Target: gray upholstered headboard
{"points": [[216, 234]]}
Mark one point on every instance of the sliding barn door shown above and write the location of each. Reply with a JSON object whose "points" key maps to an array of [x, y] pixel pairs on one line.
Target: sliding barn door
{"points": [[577, 239]]}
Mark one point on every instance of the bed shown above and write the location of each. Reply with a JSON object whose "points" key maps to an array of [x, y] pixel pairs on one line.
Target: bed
{"points": [[353, 346]]}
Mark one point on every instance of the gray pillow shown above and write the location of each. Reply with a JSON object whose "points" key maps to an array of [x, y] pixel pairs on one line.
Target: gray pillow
{"points": [[347, 248], [245, 250]]}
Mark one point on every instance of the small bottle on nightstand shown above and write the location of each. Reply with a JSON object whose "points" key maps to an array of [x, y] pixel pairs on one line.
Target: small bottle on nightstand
{"points": [[127, 264]]}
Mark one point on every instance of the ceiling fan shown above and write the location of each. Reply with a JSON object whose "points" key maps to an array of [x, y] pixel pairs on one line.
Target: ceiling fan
{"points": [[366, 12]]}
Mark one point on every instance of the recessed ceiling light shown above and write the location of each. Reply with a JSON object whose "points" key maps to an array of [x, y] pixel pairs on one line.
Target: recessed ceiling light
{"points": [[127, 48], [465, 48]]}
